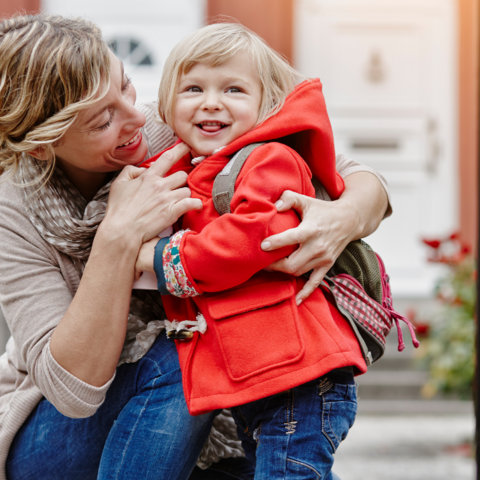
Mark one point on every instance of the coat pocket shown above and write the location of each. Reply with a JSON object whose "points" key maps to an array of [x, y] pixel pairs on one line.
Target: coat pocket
{"points": [[257, 327]]}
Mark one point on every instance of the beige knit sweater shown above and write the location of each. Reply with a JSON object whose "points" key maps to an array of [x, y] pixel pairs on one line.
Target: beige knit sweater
{"points": [[37, 284]]}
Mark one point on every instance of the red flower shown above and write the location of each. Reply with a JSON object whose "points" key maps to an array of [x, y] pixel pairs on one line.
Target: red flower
{"points": [[422, 329], [432, 243]]}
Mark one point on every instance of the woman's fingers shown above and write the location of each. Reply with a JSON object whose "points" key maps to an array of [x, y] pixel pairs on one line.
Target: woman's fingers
{"points": [[166, 161], [176, 180], [313, 282], [186, 205], [302, 205], [142, 204], [300, 262], [288, 237], [294, 200], [159, 168], [129, 173]]}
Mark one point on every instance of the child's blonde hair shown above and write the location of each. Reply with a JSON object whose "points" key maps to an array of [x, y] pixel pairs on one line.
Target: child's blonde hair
{"points": [[51, 69], [216, 44]]}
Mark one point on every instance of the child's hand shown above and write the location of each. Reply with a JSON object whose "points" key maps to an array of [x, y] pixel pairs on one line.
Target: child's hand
{"points": [[145, 258]]}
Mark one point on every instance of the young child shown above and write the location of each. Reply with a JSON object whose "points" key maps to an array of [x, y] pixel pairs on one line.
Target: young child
{"points": [[287, 369]]}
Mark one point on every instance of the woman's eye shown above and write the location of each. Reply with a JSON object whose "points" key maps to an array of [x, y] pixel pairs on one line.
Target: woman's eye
{"points": [[107, 124], [126, 83]]}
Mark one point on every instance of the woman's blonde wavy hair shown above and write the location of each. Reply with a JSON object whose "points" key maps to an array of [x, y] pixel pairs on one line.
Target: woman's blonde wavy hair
{"points": [[51, 68], [214, 45]]}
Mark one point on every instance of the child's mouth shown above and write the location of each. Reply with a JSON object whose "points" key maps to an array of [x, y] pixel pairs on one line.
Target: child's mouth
{"points": [[211, 127]]}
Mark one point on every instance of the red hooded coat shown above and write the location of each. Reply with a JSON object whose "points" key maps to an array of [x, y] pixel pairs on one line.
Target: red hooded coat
{"points": [[258, 342]]}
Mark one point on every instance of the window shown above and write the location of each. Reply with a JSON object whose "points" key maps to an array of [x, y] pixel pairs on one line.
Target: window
{"points": [[131, 51]]}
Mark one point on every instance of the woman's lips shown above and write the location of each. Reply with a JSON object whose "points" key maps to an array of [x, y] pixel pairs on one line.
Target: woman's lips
{"points": [[134, 145]]}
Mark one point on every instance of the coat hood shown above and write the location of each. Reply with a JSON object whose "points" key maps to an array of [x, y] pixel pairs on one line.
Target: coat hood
{"points": [[303, 125]]}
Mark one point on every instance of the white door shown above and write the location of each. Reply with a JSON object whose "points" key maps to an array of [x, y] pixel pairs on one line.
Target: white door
{"points": [[389, 73]]}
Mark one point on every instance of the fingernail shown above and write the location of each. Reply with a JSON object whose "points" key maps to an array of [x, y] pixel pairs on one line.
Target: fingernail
{"points": [[266, 245], [279, 204], [299, 301]]}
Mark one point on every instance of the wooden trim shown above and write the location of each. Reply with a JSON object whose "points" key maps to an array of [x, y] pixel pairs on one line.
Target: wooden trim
{"points": [[10, 7], [468, 118], [271, 19]]}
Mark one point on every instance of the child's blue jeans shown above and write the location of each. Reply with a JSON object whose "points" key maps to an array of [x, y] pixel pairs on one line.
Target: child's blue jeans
{"points": [[143, 431], [293, 435]]}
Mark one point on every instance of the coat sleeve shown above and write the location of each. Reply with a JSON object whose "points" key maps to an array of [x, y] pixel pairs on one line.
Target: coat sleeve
{"points": [[34, 296], [227, 252]]}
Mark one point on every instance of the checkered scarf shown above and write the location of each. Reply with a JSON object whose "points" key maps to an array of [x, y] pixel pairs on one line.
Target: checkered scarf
{"points": [[68, 222]]}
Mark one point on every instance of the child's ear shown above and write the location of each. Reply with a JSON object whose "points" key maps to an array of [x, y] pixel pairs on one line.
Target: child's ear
{"points": [[40, 153]]}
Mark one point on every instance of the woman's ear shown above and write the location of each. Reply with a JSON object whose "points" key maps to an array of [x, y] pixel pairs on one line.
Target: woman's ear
{"points": [[40, 153]]}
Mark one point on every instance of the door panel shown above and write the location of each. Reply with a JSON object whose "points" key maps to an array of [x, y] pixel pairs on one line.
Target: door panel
{"points": [[388, 68]]}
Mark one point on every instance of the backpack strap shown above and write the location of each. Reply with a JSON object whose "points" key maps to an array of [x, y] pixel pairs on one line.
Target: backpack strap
{"points": [[224, 185]]}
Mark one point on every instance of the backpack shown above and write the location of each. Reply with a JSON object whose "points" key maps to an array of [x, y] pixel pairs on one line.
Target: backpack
{"points": [[357, 282]]}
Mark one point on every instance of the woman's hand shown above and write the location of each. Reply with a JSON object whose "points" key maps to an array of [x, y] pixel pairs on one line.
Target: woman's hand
{"points": [[145, 258], [142, 202], [327, 227]]}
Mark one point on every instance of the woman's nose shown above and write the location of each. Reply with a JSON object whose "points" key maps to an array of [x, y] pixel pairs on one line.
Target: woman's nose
{"points": [[134, 119]]}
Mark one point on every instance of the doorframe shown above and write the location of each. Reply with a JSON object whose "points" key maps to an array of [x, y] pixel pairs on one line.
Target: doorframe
{"points": [[10, 7], [468, 122]]}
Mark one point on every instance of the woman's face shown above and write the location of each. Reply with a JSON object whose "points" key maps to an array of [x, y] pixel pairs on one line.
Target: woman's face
{"points": [[105, 137]]}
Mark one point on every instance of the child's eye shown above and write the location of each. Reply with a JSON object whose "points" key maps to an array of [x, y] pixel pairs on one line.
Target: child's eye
{"points": [[234, 90], [194, 89], [126, 83]]}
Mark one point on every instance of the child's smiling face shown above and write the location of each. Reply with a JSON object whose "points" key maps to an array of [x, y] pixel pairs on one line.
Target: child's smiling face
{"points": [[216, 105]]}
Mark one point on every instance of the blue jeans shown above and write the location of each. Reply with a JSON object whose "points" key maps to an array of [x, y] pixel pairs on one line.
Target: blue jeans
{"points": [[293, 435], [142, 431]]}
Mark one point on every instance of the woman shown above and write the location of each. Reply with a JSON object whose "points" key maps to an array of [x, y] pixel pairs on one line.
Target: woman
{"points": [[68, 125]]}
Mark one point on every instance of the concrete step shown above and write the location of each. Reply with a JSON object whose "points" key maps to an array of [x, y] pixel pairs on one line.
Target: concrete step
{"points": [[414, 407], [392, 358], [395, 361], [391, 385]]}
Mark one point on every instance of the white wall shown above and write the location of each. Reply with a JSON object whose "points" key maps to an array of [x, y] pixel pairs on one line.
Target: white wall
{"points": [[158, 24]]}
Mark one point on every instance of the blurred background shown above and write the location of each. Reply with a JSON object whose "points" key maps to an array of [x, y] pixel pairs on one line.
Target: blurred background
{"points": [[400, 81]]}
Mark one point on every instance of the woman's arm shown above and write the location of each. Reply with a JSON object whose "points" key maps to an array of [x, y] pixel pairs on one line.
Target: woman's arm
{"points": [[88, 339], [327, 227]]}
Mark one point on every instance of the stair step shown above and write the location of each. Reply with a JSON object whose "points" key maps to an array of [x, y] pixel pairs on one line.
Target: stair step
{"points": [[390, 362], [392, 378], [409, 407], [391, 385]]}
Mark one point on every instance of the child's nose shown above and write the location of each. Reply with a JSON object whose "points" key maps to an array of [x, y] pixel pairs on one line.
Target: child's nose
{"points": [[212, 102]]}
